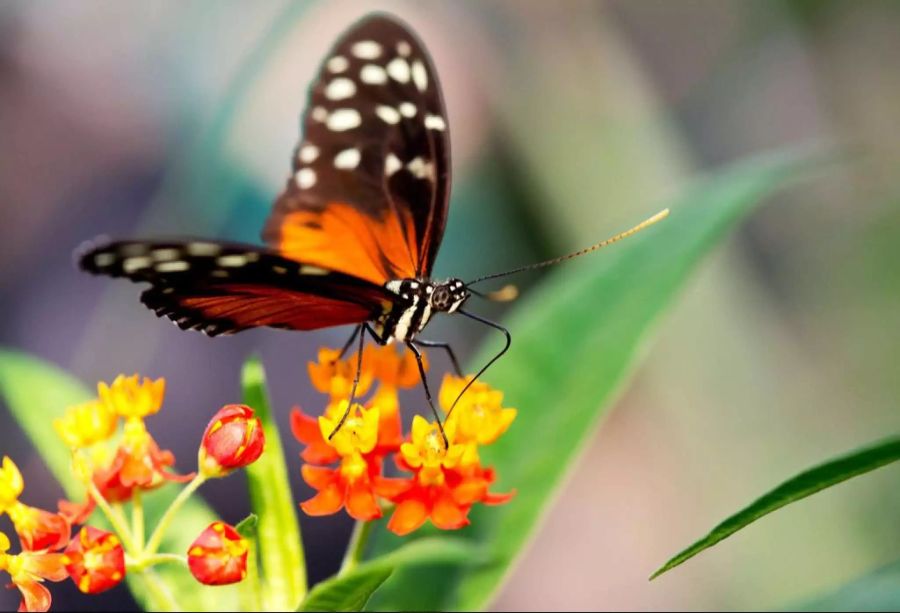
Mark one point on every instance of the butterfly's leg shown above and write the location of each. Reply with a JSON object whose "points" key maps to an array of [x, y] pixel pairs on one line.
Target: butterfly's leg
{"points": [[446, 347], [495, 326], [349, 342], [437, 417], [359, 354]]}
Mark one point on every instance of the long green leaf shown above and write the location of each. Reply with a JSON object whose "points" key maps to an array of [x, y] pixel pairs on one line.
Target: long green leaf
{"points": [[278, 531], [352, 590], [35, 393], [797, 488], [575, 340]]}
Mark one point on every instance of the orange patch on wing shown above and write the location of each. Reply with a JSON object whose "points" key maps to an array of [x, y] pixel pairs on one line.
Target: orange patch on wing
{"points": [[343, 239]]}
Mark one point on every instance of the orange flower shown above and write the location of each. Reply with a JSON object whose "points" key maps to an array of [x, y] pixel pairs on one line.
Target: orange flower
{"points": [[394, 372], [95, 560], [446, 481], [357, 480], [334, 376], [233, 439], [139, 462], [219, 555], [479, 415], [29, 570], [305, 429], [37, 529]]}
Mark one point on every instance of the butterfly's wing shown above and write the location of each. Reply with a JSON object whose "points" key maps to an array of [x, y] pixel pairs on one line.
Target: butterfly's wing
{"points": [[221, 288], [371, 177]]}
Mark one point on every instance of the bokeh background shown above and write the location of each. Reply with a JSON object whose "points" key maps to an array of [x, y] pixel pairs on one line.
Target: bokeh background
{"points": [[570, 121]]}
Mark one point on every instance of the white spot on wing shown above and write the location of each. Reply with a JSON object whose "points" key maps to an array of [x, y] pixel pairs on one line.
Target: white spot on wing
{"points": [[435, 122], [338, 64], [388, 114], [366, 49], [340, 89], [373, 74], [421, 169], [391, 165], [407, 109], [398, 69], [319, 113], [203, 249], [420, 75], [165, 254], [403, 48], [104, 259], [343, 119], [136, 263], [178, 266], [305, 178], [231, 261], [308, 154], [312, 270], [348, 159]]}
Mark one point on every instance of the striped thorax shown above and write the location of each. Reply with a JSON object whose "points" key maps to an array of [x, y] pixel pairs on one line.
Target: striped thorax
{"points": [[418, 301]]}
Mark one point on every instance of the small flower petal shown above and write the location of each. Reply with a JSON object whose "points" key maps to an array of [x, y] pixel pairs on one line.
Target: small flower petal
{"points": [[408, 517]]}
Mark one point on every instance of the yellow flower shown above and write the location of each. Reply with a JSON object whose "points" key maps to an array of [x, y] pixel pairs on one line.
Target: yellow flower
{"points": [[11, 484], [479, 415], [86, 424], [359, 432], [426, 450], [130, 397]]}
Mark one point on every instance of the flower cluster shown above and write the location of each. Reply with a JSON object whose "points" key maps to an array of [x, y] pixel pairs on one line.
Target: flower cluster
{"points": [[116, 460], [344, 461]]}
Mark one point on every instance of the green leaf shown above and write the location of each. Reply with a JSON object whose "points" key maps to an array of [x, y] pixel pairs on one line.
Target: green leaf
{"points": [[278, 531], [877, 591], [36, 392], [247, 526], [575, 340], [805, 484], [352, 590]]}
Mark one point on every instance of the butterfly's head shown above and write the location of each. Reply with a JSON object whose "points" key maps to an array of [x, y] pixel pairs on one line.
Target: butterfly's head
{"points": [[448, 296]]}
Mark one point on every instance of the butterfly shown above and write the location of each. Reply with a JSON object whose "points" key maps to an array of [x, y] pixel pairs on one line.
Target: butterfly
{"points": [[353, 236]]}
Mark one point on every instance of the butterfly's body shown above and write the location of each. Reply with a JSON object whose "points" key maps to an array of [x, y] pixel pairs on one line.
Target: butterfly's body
{"points": [[418, 300]]}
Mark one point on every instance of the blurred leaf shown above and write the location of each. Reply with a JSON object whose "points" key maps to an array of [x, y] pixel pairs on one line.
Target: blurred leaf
{"points": [[278, 530], [36, 393], [247, 526], [575, 339], [805, 484], [348, 593], [878, 591], [352, 590]]}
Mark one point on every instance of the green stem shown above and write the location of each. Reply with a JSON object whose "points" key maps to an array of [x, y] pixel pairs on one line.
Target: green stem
{"points": [[116, 520], [357, 546], [137, 521], [146, 561], [162, 526], [158, 591]]}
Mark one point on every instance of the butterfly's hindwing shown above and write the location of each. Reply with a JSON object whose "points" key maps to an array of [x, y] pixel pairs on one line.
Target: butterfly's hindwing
{"points": [[371, 175], [220, 288]]}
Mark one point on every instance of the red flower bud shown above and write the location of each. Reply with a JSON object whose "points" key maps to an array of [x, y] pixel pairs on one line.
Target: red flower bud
{"points": [[95, 560], [219, 555], [233, 439]]}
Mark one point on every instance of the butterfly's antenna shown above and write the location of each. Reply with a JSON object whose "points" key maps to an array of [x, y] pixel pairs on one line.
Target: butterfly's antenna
{"points": [[644, 224]]}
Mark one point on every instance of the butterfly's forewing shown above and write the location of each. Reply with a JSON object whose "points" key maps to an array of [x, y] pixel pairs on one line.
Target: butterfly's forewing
{"points": [[221, 288], [370, 184]]}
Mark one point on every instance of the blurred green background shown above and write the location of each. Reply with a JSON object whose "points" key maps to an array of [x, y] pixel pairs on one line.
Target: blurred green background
{"points": [[570, 121]]}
